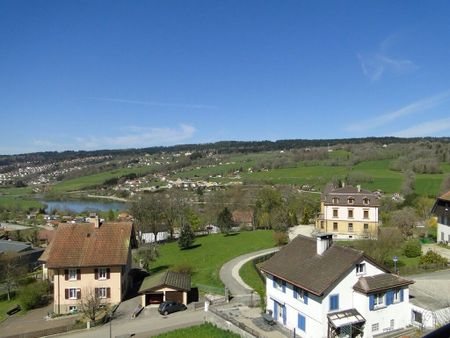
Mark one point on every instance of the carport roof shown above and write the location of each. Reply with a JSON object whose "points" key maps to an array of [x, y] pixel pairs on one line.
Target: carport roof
{"points": [[176, 280]]}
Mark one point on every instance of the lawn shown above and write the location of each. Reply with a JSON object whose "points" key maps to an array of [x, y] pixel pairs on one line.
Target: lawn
{"points": [[251, 278], [6, 305], [12, 202], [209, 253], [206, 330], [96, 179]]}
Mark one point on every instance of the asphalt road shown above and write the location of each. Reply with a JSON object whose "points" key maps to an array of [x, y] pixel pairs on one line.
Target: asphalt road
{"points": [[147, 324]]}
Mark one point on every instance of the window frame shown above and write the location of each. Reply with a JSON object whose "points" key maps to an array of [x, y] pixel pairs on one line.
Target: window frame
{"points": [[350, 227], [350, 213], [280, 284], [335, 213], [396, 298], [335, 226], [102, 293], [73, 291], [375, 327], [299, 294], [102, 273], [366, 212], [376, 300], [73, 275], [351, 200], [360, 271]]}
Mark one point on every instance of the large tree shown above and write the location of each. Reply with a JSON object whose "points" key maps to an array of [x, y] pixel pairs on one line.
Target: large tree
{"points": [[11, 270], [90, 303], [149, 215]]}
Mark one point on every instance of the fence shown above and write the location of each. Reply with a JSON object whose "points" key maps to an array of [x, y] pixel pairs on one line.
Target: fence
{"points": [[226, 322]]}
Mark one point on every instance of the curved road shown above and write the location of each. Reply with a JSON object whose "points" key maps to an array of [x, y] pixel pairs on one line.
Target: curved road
{"points": [[229, 273]]}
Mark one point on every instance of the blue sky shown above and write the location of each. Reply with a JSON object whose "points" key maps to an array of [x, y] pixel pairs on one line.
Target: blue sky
{"points": [[121, 74]]}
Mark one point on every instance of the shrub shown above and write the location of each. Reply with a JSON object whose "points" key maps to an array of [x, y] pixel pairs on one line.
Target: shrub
{"points": [[412, 248], [184, 267], [187, 237], [433, 258], [281, 238], [33, 295]]}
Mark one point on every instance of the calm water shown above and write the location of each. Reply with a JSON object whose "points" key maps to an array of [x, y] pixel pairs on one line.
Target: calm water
{"points": [[82, 205]]}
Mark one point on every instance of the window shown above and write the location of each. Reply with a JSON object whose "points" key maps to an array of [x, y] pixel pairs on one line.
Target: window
{"points": [[375, 327], [335, 226], [366, 201], [72, 293], [102, 273], [378, 300], [301, 322], [350, 213], [335, 212], [366, 214], [392, 324], [321, 224], [360, 268], [335, 200], [73, 309], [279, 284], [72, 274], [301, 295], [366, 226], [417, 317], [350, 227], [334, 302], [351, 200], [396, 296], [102, 292]]}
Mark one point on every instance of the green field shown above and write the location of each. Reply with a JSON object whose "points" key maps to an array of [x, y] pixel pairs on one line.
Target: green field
{"points": [[96, 179], [251, 278], [12, 202], [206, 330], [211, 253]]}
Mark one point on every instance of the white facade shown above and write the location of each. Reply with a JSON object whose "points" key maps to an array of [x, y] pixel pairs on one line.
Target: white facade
{"points": [[358, 213], [288, 310], [443, 233]]}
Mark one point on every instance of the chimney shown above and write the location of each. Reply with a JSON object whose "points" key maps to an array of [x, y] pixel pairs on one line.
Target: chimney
{"points": [[324, 241], [358, 187], [96, 222]]}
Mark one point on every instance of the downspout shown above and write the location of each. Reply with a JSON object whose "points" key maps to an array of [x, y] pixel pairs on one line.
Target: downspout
{"points": [[59, 297]]}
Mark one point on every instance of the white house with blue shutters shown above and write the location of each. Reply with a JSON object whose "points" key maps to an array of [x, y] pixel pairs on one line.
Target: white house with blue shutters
{"points": [[318, 289]]}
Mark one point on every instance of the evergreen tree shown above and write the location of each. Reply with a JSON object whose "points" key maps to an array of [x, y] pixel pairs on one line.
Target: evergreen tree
{"points": [[225, 221], [187, 237]]}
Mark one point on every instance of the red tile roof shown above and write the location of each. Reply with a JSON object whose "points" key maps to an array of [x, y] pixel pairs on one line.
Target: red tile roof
{"points": [[243, 216], [83, 245]]}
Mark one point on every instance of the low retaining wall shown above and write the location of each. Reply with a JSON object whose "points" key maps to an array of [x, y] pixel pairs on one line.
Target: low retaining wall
{"points": [[225, 322]]}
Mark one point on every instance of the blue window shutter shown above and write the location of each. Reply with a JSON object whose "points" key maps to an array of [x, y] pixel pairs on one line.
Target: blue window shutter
{"points": [[283, 286], [305, 297], [275, 310], [401, 295], [371, 302], [274, 282], [389, 297], [337, 302], [284, 315], [334, 302], [301, 322]]}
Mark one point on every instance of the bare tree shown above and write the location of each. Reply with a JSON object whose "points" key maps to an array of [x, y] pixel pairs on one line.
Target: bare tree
{"points": [[90, 303], [11, 270], [149, 214]]}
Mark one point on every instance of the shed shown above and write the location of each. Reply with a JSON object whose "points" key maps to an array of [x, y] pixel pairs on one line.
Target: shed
{"points": [[165, 286]]}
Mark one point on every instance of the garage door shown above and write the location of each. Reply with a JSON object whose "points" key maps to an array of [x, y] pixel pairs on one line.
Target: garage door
{"points": [[174, 296]]}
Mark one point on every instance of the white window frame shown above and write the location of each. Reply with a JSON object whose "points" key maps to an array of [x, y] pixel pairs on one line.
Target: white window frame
{"points": [[375, 327], [335, 213], [102, 293], [102, 273], [379, 300], [299, 294], [352, 212], [73, 274], [364, 214], [73, 309], [350, 227], [396, 296], [73, 293], [361, 268]]}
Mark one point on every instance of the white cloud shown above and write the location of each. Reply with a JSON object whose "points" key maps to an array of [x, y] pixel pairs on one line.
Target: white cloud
{"points": [[139, 137], [430, 128], [158, 104], [375, 65], [412, 108]]}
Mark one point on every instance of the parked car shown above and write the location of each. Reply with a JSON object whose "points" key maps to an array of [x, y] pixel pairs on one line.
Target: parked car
{"points": [[168, 307]]}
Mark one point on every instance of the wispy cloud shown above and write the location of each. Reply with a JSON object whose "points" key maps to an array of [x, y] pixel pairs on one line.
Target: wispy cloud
{"points": [[158, 104], [430, 128], [139, 137], [412, 108], [375, 65]]}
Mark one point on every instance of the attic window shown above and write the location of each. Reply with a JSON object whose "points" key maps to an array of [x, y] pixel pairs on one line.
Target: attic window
{"points": [[335, 200], [351, 200], [88, 235], [366, 201]]}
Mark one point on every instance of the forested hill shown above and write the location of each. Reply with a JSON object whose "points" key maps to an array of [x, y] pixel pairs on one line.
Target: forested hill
{"points": [[219, 147]]}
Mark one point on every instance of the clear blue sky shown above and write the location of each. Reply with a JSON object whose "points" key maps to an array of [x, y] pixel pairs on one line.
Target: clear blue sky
{"points": [[120, 74]]}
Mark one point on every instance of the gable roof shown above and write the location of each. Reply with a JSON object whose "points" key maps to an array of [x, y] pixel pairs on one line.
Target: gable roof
{"points": [[299, 264], [171, 279], [83, 245], [380, 282], [13, 246], [445, 197], [441, 205]]}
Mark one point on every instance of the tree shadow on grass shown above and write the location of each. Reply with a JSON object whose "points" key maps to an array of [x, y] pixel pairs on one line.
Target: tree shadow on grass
{"points": [[158, 268], [232, 234], [195, 246]]}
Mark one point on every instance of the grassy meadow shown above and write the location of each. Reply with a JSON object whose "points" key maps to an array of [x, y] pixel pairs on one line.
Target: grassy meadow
{"points": [[206, 330], [209, 253]]}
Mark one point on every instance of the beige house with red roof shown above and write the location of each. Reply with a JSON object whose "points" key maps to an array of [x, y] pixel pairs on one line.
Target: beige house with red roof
{"points": [[89, 258]]}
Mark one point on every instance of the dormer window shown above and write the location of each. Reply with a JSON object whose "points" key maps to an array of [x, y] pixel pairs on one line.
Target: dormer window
{"points": [[366, 201], [335, 200], [351, 200]]}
